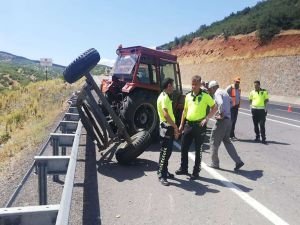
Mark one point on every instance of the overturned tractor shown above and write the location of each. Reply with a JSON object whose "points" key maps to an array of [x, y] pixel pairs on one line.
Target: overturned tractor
{"points": [[135, 84], [123, 110]]}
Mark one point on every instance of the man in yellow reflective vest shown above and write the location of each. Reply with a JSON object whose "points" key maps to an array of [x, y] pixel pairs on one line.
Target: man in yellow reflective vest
{"points": [[258, 101], [168, 130], [193, 124], [234, 92]]}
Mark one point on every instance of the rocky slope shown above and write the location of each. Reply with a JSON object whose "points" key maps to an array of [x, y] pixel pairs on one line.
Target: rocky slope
{"points": [[276, 65]]}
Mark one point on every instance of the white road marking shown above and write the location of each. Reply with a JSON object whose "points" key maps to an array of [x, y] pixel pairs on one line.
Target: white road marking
{"points": [[172, 205], [149, 203], [286, 110], [268, 214], [275, 116], [276, 121]]}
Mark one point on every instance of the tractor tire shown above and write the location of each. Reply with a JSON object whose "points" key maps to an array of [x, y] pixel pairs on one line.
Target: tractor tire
{"points": [[81, 66], [128, 152], [139, 112]]}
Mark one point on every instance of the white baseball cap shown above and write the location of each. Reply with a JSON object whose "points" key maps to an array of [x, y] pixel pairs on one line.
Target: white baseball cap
{"points": [[212, 83]]}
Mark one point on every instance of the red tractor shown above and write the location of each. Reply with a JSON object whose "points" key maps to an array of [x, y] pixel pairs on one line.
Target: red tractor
{"points": [[135, 84]]}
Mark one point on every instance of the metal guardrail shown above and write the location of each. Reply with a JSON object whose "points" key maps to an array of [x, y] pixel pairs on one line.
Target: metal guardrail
{"points": [[50, 165]]}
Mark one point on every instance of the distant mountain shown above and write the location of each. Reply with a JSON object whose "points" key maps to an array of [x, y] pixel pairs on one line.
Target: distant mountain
{"points": [[17, 70], [14, 59]]}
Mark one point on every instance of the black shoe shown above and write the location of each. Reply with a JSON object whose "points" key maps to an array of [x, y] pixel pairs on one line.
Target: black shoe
{"points": [[238, 166], [170, 175], [194, 176], [257, 139], [181, 172], [164, 181], [264, 142]]}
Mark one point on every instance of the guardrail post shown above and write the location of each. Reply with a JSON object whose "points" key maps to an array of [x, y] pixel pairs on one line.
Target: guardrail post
{"points": [[42, 181], [63, 149], [55, 146]]}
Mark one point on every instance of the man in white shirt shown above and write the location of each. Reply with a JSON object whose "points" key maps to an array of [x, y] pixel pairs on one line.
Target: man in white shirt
{"points": [[221, 130]]}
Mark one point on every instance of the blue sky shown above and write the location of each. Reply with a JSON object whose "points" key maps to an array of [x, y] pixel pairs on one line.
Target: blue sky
{"points": [[63, 29]]}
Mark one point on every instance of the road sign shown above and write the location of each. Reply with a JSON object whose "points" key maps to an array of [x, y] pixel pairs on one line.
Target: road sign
{"points": [[47, 62]]}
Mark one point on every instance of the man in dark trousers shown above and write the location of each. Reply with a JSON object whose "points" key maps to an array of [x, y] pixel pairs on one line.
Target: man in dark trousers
{"points": [[234, 92], [221, 130], [193, 124], [168, 130], [258, 99]]}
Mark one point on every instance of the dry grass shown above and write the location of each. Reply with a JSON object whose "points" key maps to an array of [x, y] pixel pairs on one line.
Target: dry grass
{"points": [[26, 113]]}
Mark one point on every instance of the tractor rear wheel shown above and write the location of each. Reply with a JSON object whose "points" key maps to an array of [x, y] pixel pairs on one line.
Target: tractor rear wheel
{"points": [[139, 112]]}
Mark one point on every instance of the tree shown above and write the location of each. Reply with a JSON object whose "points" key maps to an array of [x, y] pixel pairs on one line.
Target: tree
{"points": [[267, 29]]}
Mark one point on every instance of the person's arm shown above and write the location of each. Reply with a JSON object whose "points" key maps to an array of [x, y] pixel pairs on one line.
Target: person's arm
{"points": [[213, 109], [266, 101], [240, 96], [183, 116], [250, 99], [228, 90], [219, 103], [171, 122], [212, 112], [168, 118], [182, 121]]}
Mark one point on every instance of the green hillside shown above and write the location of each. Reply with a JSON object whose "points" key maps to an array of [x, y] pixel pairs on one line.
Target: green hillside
{"points": [[17, 70], [266, 17], [101, 69]]}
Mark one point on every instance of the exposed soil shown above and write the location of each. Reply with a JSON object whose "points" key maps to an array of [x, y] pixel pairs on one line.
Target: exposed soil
{"points": [[275, 64], [239, 47]]}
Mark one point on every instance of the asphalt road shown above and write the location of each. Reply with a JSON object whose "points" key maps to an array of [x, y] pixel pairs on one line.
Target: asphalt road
{"points": [[265, 191]]}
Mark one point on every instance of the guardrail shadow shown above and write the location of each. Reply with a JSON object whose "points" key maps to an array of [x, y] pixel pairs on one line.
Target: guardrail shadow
{"points": [[136, 169], [91, 203]]}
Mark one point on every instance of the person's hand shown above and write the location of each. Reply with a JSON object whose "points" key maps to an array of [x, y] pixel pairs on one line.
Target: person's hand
{"points": [[218, 117], [181, 127], [176, 130], [176, 135], [204, 122]]}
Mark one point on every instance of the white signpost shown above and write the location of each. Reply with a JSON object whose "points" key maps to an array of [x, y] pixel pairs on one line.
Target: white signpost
{"points": [[46, 62]]}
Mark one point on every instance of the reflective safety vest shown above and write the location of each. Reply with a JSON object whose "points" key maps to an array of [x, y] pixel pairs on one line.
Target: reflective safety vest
{"points": [[233, 95], [164, 102], [196, 105], [258, 98]]}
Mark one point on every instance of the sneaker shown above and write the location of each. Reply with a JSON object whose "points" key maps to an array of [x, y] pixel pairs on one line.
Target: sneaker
{"points": [[213, 166], [194, 176], [164, 181], [234, 138], [238, 166], [181, 172]]}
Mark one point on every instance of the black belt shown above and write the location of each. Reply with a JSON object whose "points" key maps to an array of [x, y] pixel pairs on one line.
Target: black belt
{"points": [[195, 121]]}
